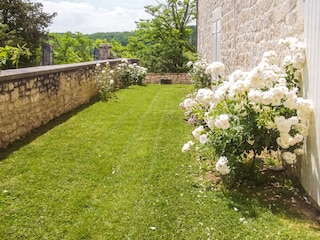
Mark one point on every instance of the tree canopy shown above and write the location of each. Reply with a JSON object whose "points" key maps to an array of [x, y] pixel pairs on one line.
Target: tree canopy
{"points": [[71, 48], [166, 37], [23, 23]]}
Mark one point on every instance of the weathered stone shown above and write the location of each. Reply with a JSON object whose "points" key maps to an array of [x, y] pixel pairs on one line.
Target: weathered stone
{"points": [[176, 78], [11, 86], [247, 26], [30, 83], [14, 94], [35, 97]]}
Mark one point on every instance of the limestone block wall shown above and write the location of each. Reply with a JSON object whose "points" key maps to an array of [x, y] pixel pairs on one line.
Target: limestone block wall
{"points": [[176, 78], [31, 97], [248, 28]]}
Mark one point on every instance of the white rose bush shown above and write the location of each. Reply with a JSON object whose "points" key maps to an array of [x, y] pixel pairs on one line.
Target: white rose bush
{"points": [[247, 113], [110, 79], [106, 81], [130, 74], [198, 74]]}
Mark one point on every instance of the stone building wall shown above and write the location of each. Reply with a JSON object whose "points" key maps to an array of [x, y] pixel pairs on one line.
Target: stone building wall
{"points": [[248, 28], [176, 78], [31, 97]]}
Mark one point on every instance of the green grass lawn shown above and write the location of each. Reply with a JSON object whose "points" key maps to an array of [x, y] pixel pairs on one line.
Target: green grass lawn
{"points": [[115, 170]]}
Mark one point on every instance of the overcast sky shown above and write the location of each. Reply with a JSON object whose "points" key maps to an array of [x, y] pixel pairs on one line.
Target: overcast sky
{"points": [[90, 16]]}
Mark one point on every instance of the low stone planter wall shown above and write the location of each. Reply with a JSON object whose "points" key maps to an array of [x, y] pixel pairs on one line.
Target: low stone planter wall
{"points": [[168, 78]]}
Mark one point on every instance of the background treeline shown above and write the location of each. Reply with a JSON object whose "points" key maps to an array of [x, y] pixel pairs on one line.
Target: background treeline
{"points": [[164, 43], [120, 37], [123, 37]]}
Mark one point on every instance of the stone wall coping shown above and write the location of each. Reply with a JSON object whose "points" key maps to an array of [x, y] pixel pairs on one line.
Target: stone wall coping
{"points": [[12, 74]]}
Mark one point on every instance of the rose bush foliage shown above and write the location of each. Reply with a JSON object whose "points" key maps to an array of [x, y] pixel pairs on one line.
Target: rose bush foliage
{"points": [[110, 79], [247, 113]]}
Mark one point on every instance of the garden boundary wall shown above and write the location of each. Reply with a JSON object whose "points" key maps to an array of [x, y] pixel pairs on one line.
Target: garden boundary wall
{"points": [[31, 97], [168, 78]]}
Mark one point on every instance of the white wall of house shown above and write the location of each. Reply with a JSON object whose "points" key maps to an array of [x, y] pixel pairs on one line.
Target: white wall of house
{"points": [[310, 166]]}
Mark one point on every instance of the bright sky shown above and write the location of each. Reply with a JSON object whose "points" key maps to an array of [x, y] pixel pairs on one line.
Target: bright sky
{"points": [[90, 16]]}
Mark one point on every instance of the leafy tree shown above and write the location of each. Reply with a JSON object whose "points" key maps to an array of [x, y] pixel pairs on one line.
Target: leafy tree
{"points": [[166, 37], [23, 23], [76, 47], [71, 48], [120, 51], [13, 54]]}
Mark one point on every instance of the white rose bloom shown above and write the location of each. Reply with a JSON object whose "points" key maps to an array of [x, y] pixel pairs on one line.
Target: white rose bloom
{"points": [[283, 124], [239, 87], [204, 96], [269, 77], [270, 57], [197, 132], [210, 122], [189, 64], [297, 139], [187, 146], [111, 82], [294, 120], [282, 81], [215, 68], [203, 139], [299, 58], [291, 101], [289, 157], [255, 95], [277, 93], [188, 104], [222, 166], [256, 82], [208, 96], [222, 122], [284, 141], [281, 91], [304, 107], [237, 75], [221, 91], [299, 151], [271, 97], [271, 125], [287, 61], [303, 129]]}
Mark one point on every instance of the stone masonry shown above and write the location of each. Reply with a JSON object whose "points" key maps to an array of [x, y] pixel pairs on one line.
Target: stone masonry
{"points": [[248, 28], [31, 97], [175, 78]]}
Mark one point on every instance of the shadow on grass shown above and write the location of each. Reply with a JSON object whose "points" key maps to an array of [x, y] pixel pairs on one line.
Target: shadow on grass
{"points": [[35, 133], [280, 194]]}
